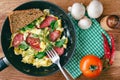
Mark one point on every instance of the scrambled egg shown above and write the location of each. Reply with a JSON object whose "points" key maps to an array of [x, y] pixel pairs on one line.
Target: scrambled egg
{"points": [[28, 56]]}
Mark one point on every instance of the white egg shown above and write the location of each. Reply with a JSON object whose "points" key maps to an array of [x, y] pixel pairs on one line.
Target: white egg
{"points": [[84, 23]]}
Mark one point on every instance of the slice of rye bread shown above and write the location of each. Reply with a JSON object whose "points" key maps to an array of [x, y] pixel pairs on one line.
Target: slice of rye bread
{"points": [[21, 18]]}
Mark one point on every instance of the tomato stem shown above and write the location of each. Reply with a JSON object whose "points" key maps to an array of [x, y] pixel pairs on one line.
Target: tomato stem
{"points": [[93, 68]]}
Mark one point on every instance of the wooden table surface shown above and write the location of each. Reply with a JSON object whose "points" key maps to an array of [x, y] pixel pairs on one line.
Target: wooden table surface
{"points": [[110, 7]]}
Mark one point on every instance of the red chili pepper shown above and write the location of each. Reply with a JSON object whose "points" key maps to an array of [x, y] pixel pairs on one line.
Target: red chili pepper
{"points": [[112, 50], [107, 52]]}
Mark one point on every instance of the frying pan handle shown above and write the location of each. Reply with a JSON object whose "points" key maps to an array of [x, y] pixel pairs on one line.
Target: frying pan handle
{"points": [[3, 63]]}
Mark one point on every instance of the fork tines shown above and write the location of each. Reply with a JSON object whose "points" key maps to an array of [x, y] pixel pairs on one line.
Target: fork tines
{"points": [[51, 53]]}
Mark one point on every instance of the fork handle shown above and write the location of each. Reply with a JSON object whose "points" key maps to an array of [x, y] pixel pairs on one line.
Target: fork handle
{"points": [[61, 69]]}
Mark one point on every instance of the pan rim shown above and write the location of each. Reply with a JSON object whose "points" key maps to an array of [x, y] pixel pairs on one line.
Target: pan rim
{"points": [[73, 30]]}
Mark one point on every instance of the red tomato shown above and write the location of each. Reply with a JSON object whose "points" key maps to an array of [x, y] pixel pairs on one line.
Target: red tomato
{"points": [[59, 50], [33, 42], [54, 35], [91, 66], [17, 39]]}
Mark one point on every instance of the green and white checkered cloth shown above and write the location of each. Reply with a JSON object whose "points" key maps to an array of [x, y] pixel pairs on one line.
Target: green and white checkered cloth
{"points": [[89, 41]]}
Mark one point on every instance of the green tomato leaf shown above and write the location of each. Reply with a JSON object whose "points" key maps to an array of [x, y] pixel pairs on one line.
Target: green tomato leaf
{"points": [[24, 46], [40, 55], [60, 43]]}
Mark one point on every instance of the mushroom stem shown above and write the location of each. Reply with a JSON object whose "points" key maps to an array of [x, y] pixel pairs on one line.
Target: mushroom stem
{"points": [[69, 9]]}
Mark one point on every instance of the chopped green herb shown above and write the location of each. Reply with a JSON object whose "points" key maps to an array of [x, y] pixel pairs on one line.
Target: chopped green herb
{"points": [[30, 26], [60, 43], [39, 20], [34, 22], [49, 46], [54, 25], [24, 46], [40, 55], [23, 29], [35, 35]]}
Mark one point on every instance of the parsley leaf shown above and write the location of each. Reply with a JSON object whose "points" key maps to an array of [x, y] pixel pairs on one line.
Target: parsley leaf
{"points": [[30, 26], [54, 25], [40, 55], [24, 45], [60, 43]]}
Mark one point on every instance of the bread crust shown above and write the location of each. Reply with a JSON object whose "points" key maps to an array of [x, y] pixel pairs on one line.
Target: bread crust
{"points": [[18, 19]]}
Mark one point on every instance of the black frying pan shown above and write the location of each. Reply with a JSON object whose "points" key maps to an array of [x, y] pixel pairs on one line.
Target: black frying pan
{"points": [[16, 60]]}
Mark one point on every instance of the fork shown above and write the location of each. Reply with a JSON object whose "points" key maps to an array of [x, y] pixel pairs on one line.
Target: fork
{"points": [[52, 54]]}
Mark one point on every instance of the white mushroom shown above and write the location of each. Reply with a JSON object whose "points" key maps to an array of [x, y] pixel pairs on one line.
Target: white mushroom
{"points": [[95, 9], [84, 23], [77, 10]]}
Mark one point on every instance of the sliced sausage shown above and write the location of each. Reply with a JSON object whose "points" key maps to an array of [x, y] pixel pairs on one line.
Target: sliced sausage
{"points": [[54, 35], [59, 50], [17, 40], [33, 42], [47, 22]]}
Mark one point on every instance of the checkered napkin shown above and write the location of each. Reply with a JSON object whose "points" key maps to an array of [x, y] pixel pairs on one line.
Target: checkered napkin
{"points": [[89, 41]]}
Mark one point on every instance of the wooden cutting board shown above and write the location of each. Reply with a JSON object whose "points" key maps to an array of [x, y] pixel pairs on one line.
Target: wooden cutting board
{"points": [[110, 7]]}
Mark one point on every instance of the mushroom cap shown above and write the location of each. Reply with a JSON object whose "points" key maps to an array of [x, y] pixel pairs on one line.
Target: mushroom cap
{"points": [[95, 9], [77, 11], [84, 23]]}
